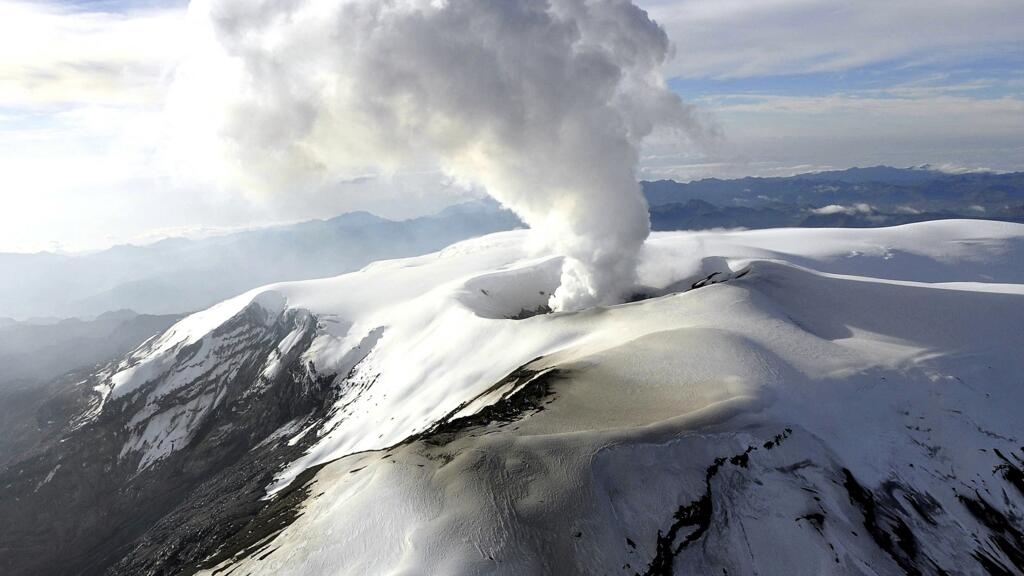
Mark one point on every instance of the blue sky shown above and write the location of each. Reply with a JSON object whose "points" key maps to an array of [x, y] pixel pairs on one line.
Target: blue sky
{"points": [[993, 75], [793, 85]]}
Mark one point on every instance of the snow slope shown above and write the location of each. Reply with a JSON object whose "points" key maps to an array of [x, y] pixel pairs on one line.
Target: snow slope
{"points": [[825, 401]]}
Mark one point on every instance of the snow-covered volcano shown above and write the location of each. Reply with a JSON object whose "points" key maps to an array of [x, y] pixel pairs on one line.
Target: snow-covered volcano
{"points": [[774, 402]]}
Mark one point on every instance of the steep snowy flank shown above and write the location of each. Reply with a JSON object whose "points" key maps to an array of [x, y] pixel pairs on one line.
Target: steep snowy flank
{"points": [[799, 401]]}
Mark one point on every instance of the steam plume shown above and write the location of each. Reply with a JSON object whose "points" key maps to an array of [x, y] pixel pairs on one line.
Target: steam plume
{"points": [[543, 103]]}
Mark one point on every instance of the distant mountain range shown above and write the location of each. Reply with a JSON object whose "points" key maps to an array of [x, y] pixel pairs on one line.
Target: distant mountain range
{"points": [[179, 275], [854, 198], [40, 362]]}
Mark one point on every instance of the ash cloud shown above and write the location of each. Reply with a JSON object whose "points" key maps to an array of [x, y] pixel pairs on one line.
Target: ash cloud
{"points": [[542, 103]]}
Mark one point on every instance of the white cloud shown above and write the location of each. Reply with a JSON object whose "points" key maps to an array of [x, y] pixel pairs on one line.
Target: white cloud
{"points": [[53, 55], [778, 135], [926, 119], [81, 124], [859, 208], [542, 103], [81, 93], [846, 120], [950, 168], [737, 38]]}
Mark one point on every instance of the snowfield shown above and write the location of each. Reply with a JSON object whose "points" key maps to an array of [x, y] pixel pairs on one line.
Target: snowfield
{"points": [[792, 401]]}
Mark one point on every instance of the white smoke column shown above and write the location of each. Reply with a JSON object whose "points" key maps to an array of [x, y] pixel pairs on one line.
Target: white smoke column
{"points": [[543, 103]]}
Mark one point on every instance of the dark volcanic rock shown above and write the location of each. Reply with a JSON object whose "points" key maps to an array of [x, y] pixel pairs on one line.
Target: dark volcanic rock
{"points": [[84, 506]]}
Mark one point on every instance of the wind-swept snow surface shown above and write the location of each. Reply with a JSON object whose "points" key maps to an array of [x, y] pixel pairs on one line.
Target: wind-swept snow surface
{"points": [[775, 402]]}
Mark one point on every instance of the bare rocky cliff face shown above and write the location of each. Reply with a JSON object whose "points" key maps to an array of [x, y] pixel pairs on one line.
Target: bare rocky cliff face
{"points": [[42, 362], [94, 495]]}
